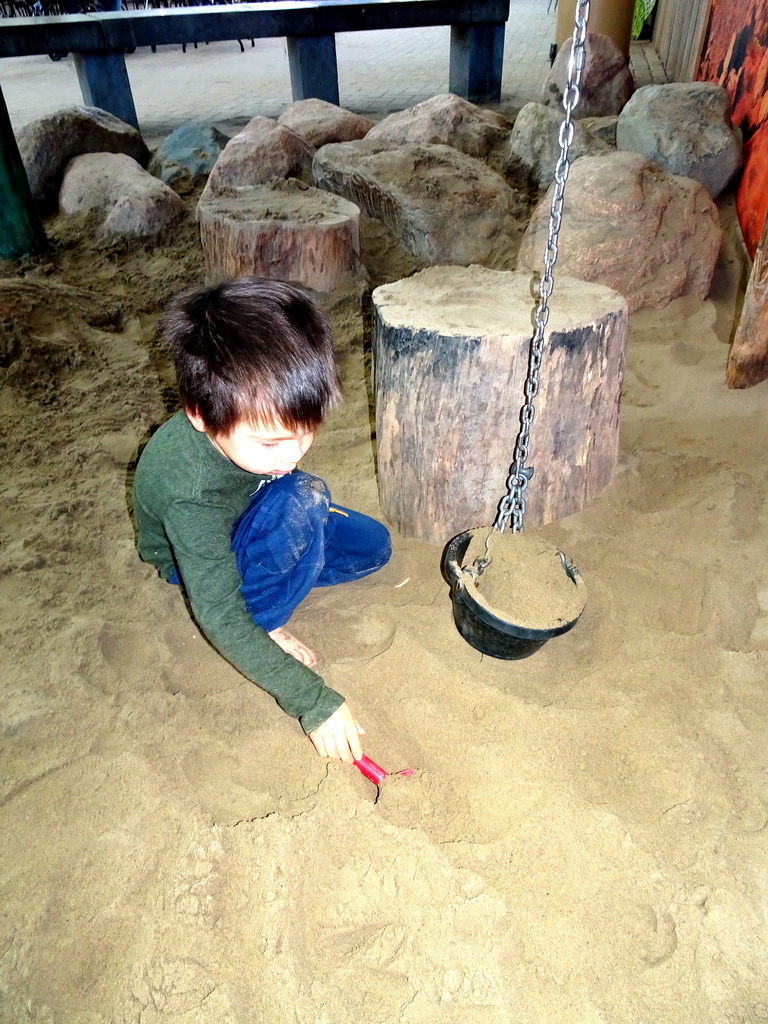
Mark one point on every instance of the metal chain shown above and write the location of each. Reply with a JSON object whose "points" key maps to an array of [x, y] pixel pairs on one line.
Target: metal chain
{"points": [[512, 505]]}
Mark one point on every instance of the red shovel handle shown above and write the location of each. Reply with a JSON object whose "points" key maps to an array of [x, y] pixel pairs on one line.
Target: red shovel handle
{"points": [[371, 770]]}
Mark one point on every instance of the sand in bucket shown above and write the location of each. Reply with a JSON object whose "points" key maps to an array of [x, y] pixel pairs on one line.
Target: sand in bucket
{"points": [[526, 582]]}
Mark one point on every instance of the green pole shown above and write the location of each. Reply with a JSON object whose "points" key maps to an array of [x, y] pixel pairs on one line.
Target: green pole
{"points": [[21, 230]]}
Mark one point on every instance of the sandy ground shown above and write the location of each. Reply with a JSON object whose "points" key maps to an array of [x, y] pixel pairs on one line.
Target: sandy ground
{"points": [[585, 839]]}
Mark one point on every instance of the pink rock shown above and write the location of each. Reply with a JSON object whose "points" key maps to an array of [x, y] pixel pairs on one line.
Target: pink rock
{"points": [[606, 82], [627, 224], [263, 150], [319, 122], [448, 120]]}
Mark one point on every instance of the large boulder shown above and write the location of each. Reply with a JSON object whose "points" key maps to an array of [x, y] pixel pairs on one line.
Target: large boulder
{"points": [[49, 143], [447, 207], [448, 120], [606, 81], [684, 128], [132, 202], [319, 122], [627, 224], [534, 145], [263, 150], [186, 156]]}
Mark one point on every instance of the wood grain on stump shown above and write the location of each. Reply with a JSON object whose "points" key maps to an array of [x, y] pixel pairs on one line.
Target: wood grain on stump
{"points": [[283, 230], [748, 358], [451, 351]]}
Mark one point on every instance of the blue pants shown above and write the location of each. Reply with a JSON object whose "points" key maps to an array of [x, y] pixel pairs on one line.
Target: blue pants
{"points": [[291, 539]]}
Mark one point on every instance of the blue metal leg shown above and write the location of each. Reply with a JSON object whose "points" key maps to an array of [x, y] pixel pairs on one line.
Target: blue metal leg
{"points": [[477, 54], [104, 83], [314, 72], [21, 232]]}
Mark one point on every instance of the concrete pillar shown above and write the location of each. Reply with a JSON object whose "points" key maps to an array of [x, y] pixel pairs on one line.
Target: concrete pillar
{"points": [[610, 17]]}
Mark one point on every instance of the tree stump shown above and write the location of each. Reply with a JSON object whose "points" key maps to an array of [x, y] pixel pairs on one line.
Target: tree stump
{"points": [[284, 230], [748, 358], [451, 348]]}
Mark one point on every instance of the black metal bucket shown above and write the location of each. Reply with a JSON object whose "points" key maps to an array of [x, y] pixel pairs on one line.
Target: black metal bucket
{"points": [[482, 629]]}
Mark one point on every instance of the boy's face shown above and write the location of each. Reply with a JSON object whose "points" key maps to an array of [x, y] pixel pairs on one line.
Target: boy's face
{"points": [[270, 450]]}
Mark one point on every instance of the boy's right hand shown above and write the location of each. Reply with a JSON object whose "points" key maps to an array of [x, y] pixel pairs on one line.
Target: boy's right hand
{"points": [[339, 736]]}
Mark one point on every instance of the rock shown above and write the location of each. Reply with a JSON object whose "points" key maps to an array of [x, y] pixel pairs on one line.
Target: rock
{"points": [[627, 224], [49, 143], [603, 128], [534, 144], [188, 154], [684, 128], [606, 82], [134, 203], [447, 207], [448, 120], [263, 150], [319, 122]]}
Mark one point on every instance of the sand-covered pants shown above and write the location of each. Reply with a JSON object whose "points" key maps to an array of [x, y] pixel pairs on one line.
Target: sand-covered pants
{"points": [[291, 538]]}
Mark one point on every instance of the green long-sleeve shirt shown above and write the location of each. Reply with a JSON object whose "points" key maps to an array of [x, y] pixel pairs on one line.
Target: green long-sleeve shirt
{"points": [[187, 496]]}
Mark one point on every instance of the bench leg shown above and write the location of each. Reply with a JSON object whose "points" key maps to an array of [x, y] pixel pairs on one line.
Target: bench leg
{"points": [[477, 53], [314, 72], [21, 232], [104, 83]]}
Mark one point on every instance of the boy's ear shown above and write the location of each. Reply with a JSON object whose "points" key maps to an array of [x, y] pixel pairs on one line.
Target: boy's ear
{"points": [[196, 420]]}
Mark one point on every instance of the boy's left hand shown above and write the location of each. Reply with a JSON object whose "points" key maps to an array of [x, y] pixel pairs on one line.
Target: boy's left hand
{"points": [[339, 736]]}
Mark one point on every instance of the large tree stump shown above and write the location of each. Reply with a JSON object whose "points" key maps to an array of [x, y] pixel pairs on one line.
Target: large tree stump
{"points": [[451, 351], [283, 230], [748, 358]]}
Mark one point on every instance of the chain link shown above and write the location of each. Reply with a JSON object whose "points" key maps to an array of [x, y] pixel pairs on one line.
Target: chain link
{"points": [[512, 505]]}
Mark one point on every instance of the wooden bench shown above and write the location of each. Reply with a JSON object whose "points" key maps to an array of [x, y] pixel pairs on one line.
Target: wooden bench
{"points": [[98, 41]]}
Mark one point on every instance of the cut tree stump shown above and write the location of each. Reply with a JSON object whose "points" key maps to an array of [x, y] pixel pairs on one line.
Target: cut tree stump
{"points": [[284, 230], [451, 348], [748, 358]]}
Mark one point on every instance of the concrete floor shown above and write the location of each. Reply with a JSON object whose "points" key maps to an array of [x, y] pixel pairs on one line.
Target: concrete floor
{"points": [[378, 72]]}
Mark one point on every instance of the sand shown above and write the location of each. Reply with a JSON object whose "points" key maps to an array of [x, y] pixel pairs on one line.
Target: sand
{"points": [[523, 579], [585, 838]]}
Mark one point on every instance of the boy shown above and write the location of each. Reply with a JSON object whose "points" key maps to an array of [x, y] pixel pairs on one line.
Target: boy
{"points": [[219, 507]]}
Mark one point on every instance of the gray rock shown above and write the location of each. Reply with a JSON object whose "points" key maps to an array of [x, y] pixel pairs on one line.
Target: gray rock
{"points": [[49, 143], [188, 154], [603, 128], [133, 202], [448, 120], [627, 224], [447, 207], [320, 122], [534, 144], [263, 150], [606, 82], [684, 128]]}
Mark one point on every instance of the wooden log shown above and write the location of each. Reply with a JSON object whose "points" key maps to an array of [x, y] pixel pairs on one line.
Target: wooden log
{"points": [[748, 358], [283, 230], [451, 349]]}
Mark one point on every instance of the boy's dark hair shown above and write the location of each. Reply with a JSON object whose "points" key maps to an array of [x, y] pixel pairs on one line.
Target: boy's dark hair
{"points": [[252, 350]]}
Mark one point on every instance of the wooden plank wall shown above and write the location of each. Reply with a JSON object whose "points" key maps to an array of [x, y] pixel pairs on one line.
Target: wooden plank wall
{"points": [[678, 36]]}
